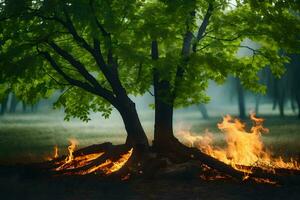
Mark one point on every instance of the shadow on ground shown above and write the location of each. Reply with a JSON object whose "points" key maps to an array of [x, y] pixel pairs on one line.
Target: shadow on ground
{"points": [[22, 183]]}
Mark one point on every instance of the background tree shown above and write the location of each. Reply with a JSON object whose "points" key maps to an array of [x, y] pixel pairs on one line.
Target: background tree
{"points": [[287, 87], [203, 111], [4, 92]]}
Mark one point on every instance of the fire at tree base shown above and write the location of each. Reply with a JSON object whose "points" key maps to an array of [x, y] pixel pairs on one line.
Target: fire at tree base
{"points": [[244, 152]]}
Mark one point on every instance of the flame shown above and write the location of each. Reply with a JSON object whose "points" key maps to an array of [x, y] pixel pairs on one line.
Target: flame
{"points": [[109, 167], [243, 150], [119, 163], [55, 152], [78, 161], [71, 149]]}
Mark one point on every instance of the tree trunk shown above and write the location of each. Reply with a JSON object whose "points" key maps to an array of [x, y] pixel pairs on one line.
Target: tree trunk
{"points": [[164, 101], [136, 136], [241, 99], [298, 103], [281, 103], [203, 111], [24, 107], [13, 103], [163, 127], [275, 93], [4, 105]]}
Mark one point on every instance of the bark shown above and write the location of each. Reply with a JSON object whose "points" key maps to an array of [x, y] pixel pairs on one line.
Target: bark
{"points": [[163, 128], [136, 135], [163, 123]]}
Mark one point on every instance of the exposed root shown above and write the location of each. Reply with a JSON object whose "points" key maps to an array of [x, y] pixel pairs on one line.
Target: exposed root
{"points": [[173, 160]]}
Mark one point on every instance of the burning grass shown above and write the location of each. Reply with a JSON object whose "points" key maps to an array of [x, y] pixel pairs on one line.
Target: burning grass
{"points": [[84, 164], [244, 152], [244, 149]]}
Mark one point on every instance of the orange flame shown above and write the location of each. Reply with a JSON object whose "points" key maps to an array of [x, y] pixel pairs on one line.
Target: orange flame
{"points": [[78, 161], [243, 148], [55, 152], [109, 167], [71, 149]]}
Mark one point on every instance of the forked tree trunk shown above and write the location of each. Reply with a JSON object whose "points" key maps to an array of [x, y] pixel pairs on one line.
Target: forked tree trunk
{"points": [[136, 136]]}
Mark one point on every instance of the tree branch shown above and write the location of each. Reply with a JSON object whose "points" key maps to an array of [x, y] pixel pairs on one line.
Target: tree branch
{"points": [[98, 91], [75, 63], [56, 81], [98, 24], [225, 39], [203, 25], [111, 76]]}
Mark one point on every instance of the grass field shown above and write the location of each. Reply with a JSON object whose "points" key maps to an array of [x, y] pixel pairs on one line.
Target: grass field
{"points": [[31, 137]]}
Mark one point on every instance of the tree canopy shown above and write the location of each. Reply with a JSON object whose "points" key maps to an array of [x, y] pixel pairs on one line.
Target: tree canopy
{"points": [[95, 50]]}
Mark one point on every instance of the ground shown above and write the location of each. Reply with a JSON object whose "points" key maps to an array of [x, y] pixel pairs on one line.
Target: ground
{"points": [[14, 187], [31, 138]]}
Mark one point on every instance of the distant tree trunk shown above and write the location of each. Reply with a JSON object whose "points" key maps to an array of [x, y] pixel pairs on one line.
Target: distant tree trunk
{"points": [[241, 99], [203, 111], [293, 105], [13, 103], [4, 105], [34, 107], [24, 107], [298, 103], [257, 100], [275, 94], [281, 102]]}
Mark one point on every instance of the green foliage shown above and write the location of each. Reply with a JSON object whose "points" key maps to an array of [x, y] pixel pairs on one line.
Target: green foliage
{"points": [[78, 103], [27, 27]]}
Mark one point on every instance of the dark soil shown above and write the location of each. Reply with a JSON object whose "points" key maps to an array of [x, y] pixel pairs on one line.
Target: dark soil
{"points": [[26, 183]]}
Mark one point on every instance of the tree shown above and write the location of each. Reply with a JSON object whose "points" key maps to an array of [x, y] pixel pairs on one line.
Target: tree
{"points": [[202, 46], [203, 111], [295, 72], [76, 46]]}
